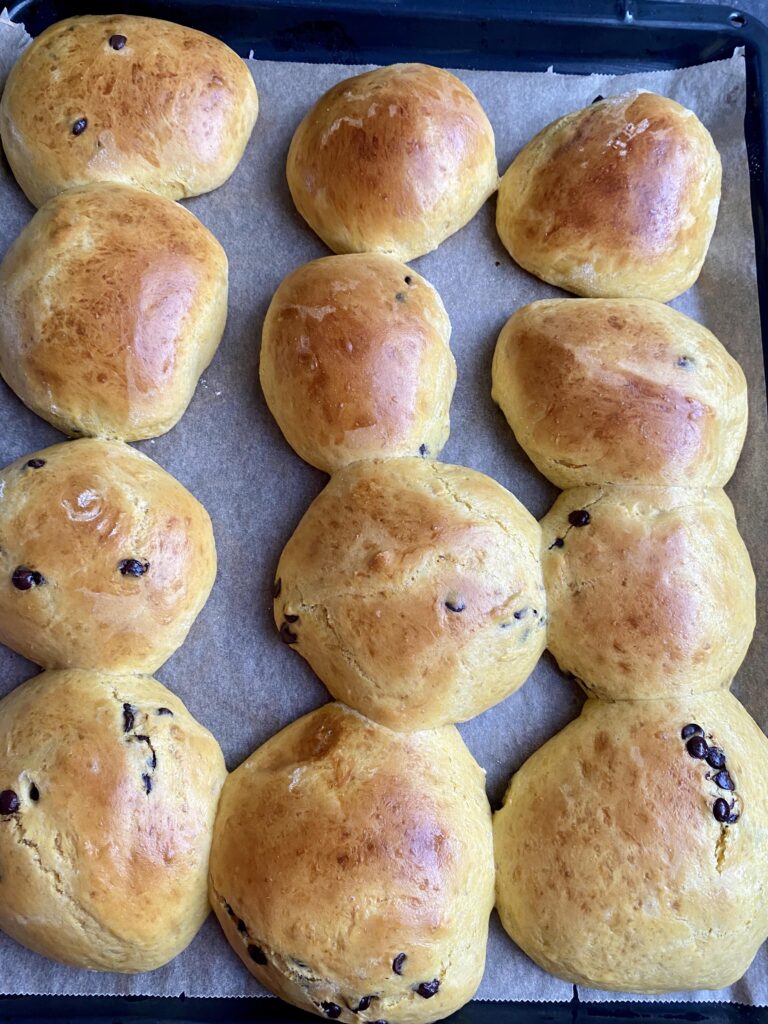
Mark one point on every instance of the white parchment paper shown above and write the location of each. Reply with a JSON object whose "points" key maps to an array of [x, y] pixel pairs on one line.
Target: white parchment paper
{"points": [[234, 673]]}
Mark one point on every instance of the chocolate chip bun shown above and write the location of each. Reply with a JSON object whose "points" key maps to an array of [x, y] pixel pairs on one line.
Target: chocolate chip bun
{"points": [[134, 100], [630, 850], [108, 791], [414, 590], [394, 160], [352, 868], [112, 303], [616, 200], [620, 391], [105, 561], [355, 362], [650, 590]]}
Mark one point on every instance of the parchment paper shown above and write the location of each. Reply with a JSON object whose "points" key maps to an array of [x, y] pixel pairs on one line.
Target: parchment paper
{"points": [[233, 672]]}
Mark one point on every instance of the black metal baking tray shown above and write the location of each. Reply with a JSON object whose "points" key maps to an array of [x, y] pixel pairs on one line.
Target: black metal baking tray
{"points": [[572, 36]]}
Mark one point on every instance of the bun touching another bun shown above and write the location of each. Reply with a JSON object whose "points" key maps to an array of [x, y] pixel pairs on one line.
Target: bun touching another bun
{"points": [[630, 849], [616, 200], [414, 590], [106, 559], [134, 100], [620, 391], [108, 791], [651, 591], [394, 160], [352, 868], [355, 362], [112, 303]]}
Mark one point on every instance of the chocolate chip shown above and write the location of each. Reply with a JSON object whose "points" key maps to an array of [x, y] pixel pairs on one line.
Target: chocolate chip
{"points": [[287, 635], [498, 263], [691, 730], [685, 362], [24, 578], [579, 517], [34, 463], [598, 98], [733, 818], [291, 618], [152, 759], [117, 42], [723, 781], [132, 567], [520, 614], [256, 953], [332, 1010], [427, 989], [697, 747], [558, 542], [408, 279], [400, 296], [79, 126], [34, 793], [129, 717], [164, 711], [366, 1001], [277, 586], [423, 450], [455, 605], [147, 780], [721, 810], [716, 757], [242, 927], [397, 963], [9, 802]]}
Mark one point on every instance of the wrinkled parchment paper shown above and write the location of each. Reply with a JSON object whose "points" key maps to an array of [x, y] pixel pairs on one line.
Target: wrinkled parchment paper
{"points": [[233, 672]]}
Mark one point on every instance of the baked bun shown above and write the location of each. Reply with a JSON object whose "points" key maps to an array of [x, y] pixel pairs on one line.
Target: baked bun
{"points": [[120, 98], [650, 591], [352, 868], [394, 160], [112, 303], [105, 561], [623, 859], [620, 391], [108, 791], [414, 590], [355, 362], [618, 199]]}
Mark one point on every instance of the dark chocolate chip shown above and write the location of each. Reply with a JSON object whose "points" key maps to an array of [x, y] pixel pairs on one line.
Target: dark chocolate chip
{"points": [[733, 818], [164, 711], [423, 450], [332, 1010], [291, 618], [520, 614], [79, 126], [691, 730], [558, 542], [9, 802], [456, 605], [132, 567], [242, 927], [400, 296], [117, 42], [147, 780], [579, 517], [716, 757], [24, 578], [427, 989], [129, 717], [152, 759], [256, 953], [723, 781], [685, 362], [697, 747], [366, 1001], [598, 98], [287, 635], [34, 793], [721, 810], [408, 279], [398, 962], [498, 263], [277, 586], [34, 463]]}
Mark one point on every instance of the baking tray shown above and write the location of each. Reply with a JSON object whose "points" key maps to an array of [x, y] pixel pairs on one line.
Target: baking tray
{"points": [[572, 36]]}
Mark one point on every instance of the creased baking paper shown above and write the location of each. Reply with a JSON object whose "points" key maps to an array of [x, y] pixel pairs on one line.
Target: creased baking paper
{"points": [[234, 673]]}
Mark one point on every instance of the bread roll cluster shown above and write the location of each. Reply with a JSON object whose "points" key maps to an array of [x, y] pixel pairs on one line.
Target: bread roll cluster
{"points": [[112, 301], [627, 846]]}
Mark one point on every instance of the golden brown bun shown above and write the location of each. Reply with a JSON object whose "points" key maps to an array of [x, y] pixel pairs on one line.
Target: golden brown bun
{"points": [[105, 859], [112, 303], [414, 590], [618, 199], [342, 850], [112, 558], [653, 597], [620, 391], [170, 110], [394, 160], [612, 870], [355, 362]]}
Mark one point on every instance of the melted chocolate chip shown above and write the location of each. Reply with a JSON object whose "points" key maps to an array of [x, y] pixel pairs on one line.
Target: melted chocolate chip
{"points": [[400, 296], [256, 953], [498, 263], [685, 362], [427, 989], [520, 614], [691, 730], [408, 279], [721, 810], [733, 818], [24, 578], [697, 747], [242, 927], [287, 635], [34, 463], [332, 1010], [164, 711], [277, 586], [291, 618], [34, 793], [558, 542], [723, 781], [398, 962], [129, 717], [579, 517], [9, 802], [132, 567], [716, 757], [423, 450], [147, 780], [117, 42], [79, 126], [598, 98], [455, 605], [364, 1003]]}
